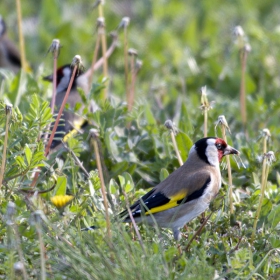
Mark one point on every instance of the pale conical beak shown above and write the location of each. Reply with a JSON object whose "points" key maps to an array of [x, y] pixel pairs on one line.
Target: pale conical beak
{"points": [[230, 151]]}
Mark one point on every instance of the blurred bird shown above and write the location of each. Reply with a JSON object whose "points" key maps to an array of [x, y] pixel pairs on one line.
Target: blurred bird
{"points": [[72, 121], [81, 80], [9, 54], [185, 193]]}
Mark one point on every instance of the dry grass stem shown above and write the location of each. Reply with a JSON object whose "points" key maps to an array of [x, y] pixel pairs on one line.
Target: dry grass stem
{"points": [[24, 64], [173, 131], [243, 111], [95, 53], [134, 71], [94, 136], [37, 218], [205, 107], [134, 223], [3, 164], [100, 61], [76, 159], [102, 30], [268, 158], [197, 233], [124, 24], [224, 126], [54, 48]]}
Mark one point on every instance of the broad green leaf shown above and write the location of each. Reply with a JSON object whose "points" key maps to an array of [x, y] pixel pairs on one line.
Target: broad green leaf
{"points": [[274, 216], [112, 146], [61, 185], [149, 115], [128, 187], [122, 181], [113, 187], [163, 174], [119, 168], [184, 144], [28, 154], [127, 177], [20, 162]]}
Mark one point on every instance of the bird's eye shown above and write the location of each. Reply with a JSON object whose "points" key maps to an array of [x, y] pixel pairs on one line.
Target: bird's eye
{"points": [[219, 146]]}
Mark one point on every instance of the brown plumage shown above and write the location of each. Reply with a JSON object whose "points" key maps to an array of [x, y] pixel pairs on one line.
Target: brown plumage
{"points": [[186, 192]]}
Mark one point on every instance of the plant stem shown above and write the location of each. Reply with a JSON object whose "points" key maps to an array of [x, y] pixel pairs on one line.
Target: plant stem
{"points": [[54, 82], [198, 231], [104, 47], [130, 89], [173, 131], [20, 252], [205, 121], [3, 164], [21, 38], [76, 159], [243, 111], [134, 71], [263, 187], [105, 64], [205, 106], [103, 188], [229, 173], [54, 48], [61, 110], [126, 67], [95, 53], [133, 222], [176, 148], [265, 169], [100, 62], [41, 244]]}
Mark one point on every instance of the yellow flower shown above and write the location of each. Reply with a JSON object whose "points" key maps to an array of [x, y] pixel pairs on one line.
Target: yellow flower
{"points": [[61, 200]]}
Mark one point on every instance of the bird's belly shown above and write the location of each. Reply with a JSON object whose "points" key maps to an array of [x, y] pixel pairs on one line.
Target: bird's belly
{"points": [[177, 217]]}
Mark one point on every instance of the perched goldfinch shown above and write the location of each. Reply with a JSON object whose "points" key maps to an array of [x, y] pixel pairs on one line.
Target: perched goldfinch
{"points": [[185, 193]]}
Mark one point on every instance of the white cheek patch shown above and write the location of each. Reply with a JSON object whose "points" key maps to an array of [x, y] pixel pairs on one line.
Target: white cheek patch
{"points": [[212, 153], [63, 84]]}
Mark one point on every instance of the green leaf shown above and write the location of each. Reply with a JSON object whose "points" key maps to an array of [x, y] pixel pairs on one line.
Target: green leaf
{"points": [[256, 179], [20, 162], [61, 185], [122, 181], [274, 216], [128, 187], [119, 168], [184, 144], [163, 174], [113, 187], [149, 115], [112, 145], [28, 154]]}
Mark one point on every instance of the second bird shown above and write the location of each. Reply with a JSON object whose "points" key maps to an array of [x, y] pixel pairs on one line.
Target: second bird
{"points": [[71, 119]]}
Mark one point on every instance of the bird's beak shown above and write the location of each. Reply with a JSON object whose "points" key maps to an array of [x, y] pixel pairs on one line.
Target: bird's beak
{"points": [[48, 78], [230, 151]]}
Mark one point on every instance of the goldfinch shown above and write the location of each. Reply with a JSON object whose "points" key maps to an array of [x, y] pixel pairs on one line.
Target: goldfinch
{"points": [[185, 193], [71, 120]]}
